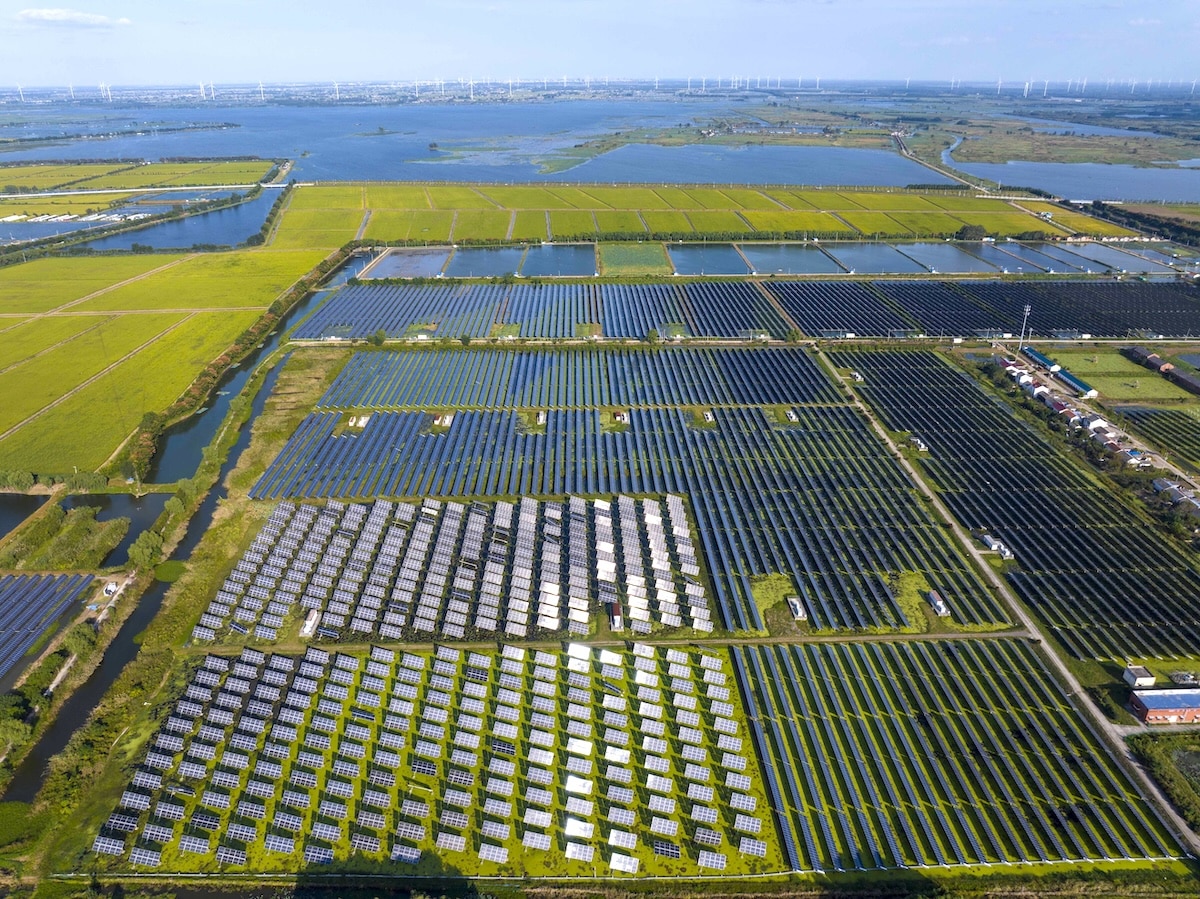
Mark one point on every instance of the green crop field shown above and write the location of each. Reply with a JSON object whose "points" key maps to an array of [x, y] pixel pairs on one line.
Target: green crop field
{"points": [[875, 223], [250, 278], [397, 196], [326, 196], [179, 309], [88, 426], [76, 204], [480, 212], [525, 197], [46, 284], [455, 197], [745, 198], [667, 222], [935, 223], [529, 224], [1007, 223], [390, 224], [631, 197], [576, 197], [160, 174], [796, 221], [31, 386], [484, 224], [47, 177], [29, 338], [713, 221], [611, 221], [573, 223], [634, 259]]}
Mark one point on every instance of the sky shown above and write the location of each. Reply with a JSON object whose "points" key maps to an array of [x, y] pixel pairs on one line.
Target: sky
{"points": [[148, 42]]}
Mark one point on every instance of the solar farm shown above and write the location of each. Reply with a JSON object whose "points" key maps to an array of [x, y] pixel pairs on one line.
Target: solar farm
{"points": [[29, 604], [848, 523], [889, 755], [1107, 586], [771, 308], [574, 762], [402, 571]]}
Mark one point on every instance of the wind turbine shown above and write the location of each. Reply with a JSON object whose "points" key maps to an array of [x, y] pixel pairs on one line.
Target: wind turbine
{"points": [[71, 88], [212, 91], [1026, 94], [1045, 88], [21, 93], [1193, 93], [203, 95], [1083, 87], [337, 92], [261, 93], [999, 82]]}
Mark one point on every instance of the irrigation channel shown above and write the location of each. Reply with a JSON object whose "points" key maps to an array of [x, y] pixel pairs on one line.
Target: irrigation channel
{"points": [[178, 457]]}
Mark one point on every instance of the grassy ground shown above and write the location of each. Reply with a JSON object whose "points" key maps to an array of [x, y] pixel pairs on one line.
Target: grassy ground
{"points": [[1118, 378], [329, 215], [634, 259], [156, 333], [103, 176]]}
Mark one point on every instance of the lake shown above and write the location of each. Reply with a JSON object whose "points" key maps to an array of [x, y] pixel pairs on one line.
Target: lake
{"points": [[221, 227], [476, 142]]}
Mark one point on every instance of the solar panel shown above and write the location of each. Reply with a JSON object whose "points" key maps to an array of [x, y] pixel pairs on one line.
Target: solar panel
{"points": [[194, 844], [712, 860], [408, 831], [624, 863], [621, 816], [490, 852], [708, 837], [665, 849], [451, 842]]}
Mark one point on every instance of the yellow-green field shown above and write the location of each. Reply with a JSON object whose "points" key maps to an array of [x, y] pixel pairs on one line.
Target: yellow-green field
{"points": [[93, 344], [1077, 221], [634, 259], [101, 176], [1118, 378], [327, 216]]}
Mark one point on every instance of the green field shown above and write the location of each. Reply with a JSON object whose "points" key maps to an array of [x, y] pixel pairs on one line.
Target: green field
{"points": [[179, 310], [529, 224], [390, 224], [633, 259], [86, 427], [118, 176], [46, 177], [611, 221], [713, 221], [26, 339], [483, 224], [660, 222], [31, 386], [323, 216], [566, 224], [249, 278], [1117, 378], [46, 284], [875, 223], [797, 221]]}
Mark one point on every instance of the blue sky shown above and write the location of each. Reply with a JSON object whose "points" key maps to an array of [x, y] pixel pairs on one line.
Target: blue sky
{"points": [[170, 42]]}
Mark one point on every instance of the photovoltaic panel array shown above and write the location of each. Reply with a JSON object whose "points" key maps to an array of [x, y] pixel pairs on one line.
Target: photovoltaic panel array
{"points": [[318, 782]]}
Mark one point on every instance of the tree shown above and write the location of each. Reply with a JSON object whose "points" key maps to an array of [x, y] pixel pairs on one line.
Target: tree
{"points": [[652, 335], [379, 337], [971, 232], [145, 549]]}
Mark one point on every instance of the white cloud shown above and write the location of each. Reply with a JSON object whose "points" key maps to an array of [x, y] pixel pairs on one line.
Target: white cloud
{"points": [[56, 17]]}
